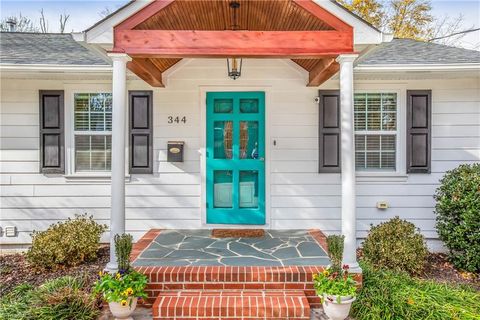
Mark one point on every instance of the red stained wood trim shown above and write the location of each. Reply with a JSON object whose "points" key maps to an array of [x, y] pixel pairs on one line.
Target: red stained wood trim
{"points": [[317, 74], [326, 74], [294, 44], [324, 15], [142, 15], [147, 71]]}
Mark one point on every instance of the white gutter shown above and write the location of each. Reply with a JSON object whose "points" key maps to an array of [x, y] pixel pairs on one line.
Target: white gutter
{"points": [[56, 68], [418, 67]]}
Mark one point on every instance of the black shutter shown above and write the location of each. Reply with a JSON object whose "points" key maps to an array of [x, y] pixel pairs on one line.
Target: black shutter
{"points": [[329, 131], [52, 141], [141, 131], [419, 131]]}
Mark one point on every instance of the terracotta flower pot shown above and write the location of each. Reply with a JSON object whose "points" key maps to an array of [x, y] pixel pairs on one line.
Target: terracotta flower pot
{"points": [[123, 312], [337, 310]]}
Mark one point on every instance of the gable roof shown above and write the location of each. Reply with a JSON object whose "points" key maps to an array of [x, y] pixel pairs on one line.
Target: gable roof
{"points": [[46, 48], [411, 52]]}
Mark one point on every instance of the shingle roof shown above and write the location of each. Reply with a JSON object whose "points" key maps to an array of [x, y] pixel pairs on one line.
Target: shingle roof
{"points": [[45, 48], [408, 52]]}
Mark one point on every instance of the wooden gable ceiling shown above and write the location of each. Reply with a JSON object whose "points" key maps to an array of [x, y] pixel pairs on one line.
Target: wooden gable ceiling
{"points": [[253, 15], [216, 15]]}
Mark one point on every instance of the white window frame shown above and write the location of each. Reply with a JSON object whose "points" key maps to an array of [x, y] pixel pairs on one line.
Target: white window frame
{"points": [[86, 176], [400, 170]]}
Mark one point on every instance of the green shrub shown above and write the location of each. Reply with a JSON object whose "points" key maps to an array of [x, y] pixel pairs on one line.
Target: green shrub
{"points": [[66, 243], [65, 298], [123, 248], [458, 215], [395, 245], [335, 245], [388, 295]]}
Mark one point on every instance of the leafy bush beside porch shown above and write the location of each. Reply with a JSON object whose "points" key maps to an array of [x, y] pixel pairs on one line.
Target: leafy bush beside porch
{"points": [[458, 215]]}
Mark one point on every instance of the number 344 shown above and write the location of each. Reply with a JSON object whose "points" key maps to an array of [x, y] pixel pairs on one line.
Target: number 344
{"points": [[172, 119]]}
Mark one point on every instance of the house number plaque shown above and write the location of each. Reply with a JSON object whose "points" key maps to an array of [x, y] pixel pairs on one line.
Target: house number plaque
{"points": [[177, 119]]}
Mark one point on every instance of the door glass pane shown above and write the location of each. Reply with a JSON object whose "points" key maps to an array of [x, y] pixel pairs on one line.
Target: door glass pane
{"points": [[248, 189], [249, 140], [223, 106], [222, 137], [222, 189], [248, 105]]}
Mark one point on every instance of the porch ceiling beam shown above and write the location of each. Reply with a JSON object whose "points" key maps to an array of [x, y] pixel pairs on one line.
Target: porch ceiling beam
{"points": [[322, 71], [323, 15], [147, 71], [215, 44], [144, 14], [327, 74]]}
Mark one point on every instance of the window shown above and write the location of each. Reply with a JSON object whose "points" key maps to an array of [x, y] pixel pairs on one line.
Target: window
{"points": [[375, 131], [93, 131]]}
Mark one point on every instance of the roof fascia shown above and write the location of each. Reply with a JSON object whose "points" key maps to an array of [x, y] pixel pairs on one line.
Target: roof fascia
{"points": [[102, 32], [56, 68], [418, 67]]}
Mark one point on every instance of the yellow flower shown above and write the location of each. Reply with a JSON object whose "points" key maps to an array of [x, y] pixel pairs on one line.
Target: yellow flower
{"points": [[326, 273], [100, 273], [123, 303], [118, 276], [410, 301], [128, 292]]}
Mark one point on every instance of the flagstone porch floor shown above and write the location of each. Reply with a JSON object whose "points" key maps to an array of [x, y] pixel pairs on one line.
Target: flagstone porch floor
{"points": [[277, 248]]}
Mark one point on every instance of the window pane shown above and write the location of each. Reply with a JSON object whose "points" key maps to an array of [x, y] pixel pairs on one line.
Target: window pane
{"points": [[248, 140], [81, 121], [389, 121], [223, 106], [97, 121], [248, 189], [373, 121], [389, 101], [222, 189], [93, 153], [222, 136], [360, 102], [360, 121], [375, 152], [374, 102], [248, 105], [81, 102], [97, 102]]}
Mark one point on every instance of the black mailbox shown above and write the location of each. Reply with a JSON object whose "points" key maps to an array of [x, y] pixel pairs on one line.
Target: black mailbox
{"points": [[175, 151]]}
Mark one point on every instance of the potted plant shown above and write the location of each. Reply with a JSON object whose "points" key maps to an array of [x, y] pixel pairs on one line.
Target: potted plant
{"points": [[122, 289], [335, 285]]}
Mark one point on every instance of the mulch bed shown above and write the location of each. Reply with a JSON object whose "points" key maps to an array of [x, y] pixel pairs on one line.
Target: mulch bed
{"points": [[440, 269], [15, 270]]}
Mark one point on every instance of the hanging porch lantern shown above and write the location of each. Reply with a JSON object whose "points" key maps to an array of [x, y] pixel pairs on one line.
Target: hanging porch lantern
{"points": [[234, 65]]}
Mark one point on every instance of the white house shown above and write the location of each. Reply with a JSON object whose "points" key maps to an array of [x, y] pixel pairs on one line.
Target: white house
{"points": [[331, 124]]}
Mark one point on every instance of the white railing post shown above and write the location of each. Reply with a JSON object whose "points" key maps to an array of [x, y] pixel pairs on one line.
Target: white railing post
{"points": [[349, 218], [119, 106]]}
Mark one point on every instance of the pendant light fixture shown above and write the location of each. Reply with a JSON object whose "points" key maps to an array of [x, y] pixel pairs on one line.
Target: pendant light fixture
{"points": [[234, 65]]}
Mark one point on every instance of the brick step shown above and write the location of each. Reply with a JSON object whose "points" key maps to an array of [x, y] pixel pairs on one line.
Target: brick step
{"points": [[231, 304], [296, 278]]}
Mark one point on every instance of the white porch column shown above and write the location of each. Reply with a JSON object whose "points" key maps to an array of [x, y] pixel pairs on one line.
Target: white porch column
{"points": [[349, 217], [119, 107]]}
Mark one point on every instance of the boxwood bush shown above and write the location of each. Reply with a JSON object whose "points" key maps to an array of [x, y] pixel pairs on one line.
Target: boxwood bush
{"points": [[67, 243], [396, 245], [458, 215]]}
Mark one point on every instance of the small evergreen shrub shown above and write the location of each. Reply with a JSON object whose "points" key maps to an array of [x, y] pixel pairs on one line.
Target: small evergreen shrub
{"points": [[66, 243], [335, 245], [396, 245], [392, 295], [458, 215], [123, 248]]}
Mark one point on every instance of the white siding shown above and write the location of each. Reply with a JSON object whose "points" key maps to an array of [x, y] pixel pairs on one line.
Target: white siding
{"points": [[298, 196]]}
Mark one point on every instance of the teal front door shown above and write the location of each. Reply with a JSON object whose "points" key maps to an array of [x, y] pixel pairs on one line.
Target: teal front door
{"points": [[235, 158]]}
